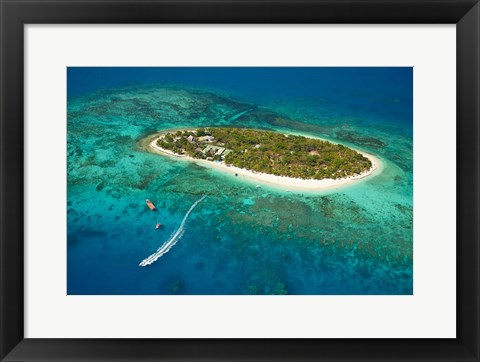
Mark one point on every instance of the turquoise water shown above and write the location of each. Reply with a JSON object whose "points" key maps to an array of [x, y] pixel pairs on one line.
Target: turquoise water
{"points": [[240, 239]]}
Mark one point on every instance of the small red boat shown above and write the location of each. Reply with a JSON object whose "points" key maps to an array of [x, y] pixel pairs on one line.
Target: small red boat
{"points": [[150, 205]]}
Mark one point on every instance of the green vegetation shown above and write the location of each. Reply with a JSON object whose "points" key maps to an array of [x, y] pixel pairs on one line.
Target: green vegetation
{"points": [[268, 152]]}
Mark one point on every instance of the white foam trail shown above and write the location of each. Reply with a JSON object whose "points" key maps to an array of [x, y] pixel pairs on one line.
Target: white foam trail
{"points": [[177, 235]]}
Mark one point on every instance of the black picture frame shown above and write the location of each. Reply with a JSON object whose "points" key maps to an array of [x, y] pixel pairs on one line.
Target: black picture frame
{"points": [[17, 13]]}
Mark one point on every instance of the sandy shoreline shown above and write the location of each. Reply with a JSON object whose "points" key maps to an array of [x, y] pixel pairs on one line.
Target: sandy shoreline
{"points": [[287, 183]]}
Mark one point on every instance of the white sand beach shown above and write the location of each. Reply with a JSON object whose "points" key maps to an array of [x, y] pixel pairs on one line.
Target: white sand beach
{"points": [[287, 183]]}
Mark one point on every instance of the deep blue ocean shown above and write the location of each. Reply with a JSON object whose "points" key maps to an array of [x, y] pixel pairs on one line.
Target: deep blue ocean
{"points": [[241, 239]]}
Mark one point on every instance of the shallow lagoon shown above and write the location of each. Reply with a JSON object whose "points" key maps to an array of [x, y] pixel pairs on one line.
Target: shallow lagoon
{"points": [[241, 239]]}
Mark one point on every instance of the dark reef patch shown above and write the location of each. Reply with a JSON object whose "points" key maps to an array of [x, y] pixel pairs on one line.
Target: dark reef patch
{"points": [[360, 140]]}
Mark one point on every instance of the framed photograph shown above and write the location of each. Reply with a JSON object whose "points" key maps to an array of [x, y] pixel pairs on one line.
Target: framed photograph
{"points": [[239, 180]]}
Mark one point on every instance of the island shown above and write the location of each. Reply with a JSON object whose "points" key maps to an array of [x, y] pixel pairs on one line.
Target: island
{"points": [[268, 156]]}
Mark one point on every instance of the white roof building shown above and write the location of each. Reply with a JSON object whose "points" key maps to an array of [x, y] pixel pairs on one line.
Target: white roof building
{"points": [[206, 138]]}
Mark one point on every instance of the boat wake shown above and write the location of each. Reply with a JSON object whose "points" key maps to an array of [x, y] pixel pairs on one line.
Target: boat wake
{"points": [[176, 236]]}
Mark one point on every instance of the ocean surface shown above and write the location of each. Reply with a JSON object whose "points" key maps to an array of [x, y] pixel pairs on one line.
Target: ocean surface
{"points": [[239, 239]]}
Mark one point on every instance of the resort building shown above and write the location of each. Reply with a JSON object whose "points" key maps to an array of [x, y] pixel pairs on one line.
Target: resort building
{"points": [[218, 150], [208, 148], [206, 139]]}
